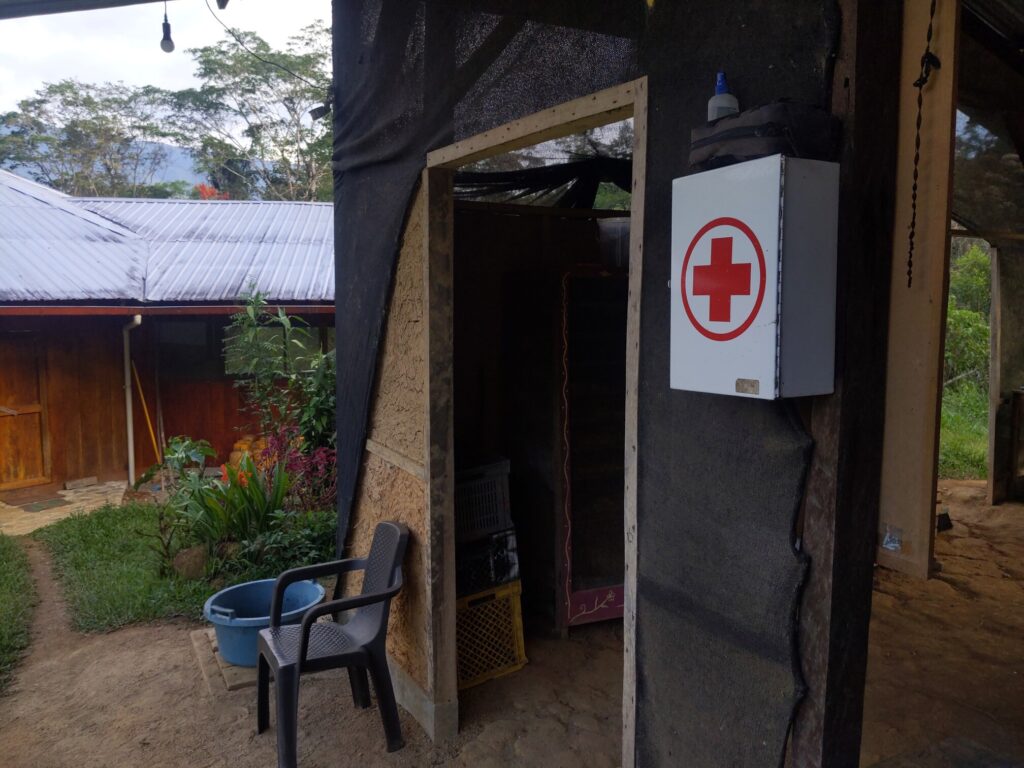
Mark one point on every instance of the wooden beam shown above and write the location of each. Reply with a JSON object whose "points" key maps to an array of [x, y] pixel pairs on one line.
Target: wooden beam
{"points": [[440, 442], [917, 317], [841, 497], [608, 106], [636, 263]]}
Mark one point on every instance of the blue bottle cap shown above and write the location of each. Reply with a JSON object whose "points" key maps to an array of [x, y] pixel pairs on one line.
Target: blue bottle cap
{"points": [[721, 86]]}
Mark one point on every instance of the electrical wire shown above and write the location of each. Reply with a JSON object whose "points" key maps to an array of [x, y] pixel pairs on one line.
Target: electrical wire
{"points": [[256, 56]]}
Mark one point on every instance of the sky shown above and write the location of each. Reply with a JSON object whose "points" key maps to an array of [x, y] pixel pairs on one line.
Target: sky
{"points": [[124, 43]]}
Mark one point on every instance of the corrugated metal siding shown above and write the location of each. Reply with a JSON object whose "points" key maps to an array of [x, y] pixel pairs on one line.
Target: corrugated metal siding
{"points": [[51, 250], [216, 250]]}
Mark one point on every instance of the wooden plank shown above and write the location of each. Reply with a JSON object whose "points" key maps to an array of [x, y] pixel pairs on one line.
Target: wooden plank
{"points": [[636, 262], [413, 467], [440, 444], [839, 516], [918, 313], [601, 108]]}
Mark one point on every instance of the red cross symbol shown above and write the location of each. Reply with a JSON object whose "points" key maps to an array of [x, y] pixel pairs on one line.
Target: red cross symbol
{"points": [[721, 280]]}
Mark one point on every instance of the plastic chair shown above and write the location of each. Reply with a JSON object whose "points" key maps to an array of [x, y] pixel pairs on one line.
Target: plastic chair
{"points": [[293, 649]]}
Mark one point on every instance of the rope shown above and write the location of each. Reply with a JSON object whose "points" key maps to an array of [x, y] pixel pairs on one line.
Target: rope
{"points": [[929, 61]]}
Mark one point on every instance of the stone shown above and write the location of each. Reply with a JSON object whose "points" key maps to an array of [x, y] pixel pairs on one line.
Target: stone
{"points": [[190, 563]]}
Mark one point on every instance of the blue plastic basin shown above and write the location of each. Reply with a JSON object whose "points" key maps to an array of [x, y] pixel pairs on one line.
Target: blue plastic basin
{"points": [[238, 613]]}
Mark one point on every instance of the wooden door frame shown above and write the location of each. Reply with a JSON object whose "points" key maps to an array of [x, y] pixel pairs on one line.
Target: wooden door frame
{"points": [[601, 108]]}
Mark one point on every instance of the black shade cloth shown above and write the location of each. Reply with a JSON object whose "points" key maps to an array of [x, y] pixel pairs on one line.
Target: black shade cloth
{"points": [[719, 478]]}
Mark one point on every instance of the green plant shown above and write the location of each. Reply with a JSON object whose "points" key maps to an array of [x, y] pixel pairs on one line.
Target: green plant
{"points": [[963, 439], [111, 576], [17, 597], [967, 346], [293, 539], [183, 457], [318, 403], [285, 378], [238, 506]]}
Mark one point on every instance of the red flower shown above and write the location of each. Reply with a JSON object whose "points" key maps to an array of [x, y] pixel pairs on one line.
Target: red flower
{"points": [[243, 479], [224, 473]]}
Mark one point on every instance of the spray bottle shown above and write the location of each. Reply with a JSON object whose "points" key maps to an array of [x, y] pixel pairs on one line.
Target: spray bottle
{"points": [[722, 103]]}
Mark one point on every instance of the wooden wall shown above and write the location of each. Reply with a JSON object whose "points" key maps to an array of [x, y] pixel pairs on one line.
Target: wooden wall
{"points": [[84, 395], [203, 405]]}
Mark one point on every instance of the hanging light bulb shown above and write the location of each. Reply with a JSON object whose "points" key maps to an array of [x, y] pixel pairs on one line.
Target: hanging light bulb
{"points": [[166, 45]]}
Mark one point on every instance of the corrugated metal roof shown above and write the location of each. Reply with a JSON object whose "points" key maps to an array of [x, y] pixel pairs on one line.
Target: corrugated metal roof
{"points": [[206, 250], [52, 250], [59, 248]]}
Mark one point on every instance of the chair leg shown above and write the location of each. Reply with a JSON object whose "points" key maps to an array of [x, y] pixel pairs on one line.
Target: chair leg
{"points": [[360, 687], [386, 700], [262, 695], [286, 684]]}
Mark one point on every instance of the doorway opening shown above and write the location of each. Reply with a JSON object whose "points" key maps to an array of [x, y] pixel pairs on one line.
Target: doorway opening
{"points": [[533, 365], [946, 612]]}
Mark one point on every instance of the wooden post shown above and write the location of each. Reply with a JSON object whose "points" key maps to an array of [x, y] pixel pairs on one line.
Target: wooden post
{"points": [[917, 314], [841, 500]]}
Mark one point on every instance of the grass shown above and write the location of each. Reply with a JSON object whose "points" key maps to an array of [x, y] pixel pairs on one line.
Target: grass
{"points": [[110, 575], [17, 598], [963, 438]]}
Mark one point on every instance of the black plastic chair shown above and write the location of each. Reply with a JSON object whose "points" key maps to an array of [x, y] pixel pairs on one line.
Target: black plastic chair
{"points": [[293, 649]]}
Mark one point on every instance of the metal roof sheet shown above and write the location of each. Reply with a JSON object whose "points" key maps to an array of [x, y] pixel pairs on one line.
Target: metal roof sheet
{"points": [[59, 248], [52, 250], [207, 250]]}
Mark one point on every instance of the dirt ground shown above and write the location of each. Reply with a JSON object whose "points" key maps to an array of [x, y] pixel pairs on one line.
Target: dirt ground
{"points": [[947, 655], [136, 697], [946, 665]]}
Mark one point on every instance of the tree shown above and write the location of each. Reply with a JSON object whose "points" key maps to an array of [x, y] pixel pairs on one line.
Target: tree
{"points": [[86, 139], [970, 280], [967, 315], [248, 124]]}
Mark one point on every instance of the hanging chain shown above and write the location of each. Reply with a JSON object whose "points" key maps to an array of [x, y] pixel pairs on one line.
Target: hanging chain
{"points": [[929, 61]]}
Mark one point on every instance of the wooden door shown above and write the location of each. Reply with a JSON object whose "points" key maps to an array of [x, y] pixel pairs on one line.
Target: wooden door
{"points": [[24, 440]]}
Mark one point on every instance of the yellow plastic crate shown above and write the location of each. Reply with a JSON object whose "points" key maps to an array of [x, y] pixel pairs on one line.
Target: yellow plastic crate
{"points": [[489, 634]]}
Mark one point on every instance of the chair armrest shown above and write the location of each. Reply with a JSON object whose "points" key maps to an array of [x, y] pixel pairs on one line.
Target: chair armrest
{"points": [[344, 604], [333, 568]]}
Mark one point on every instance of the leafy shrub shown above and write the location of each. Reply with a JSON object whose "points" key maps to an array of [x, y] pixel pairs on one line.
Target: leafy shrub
{"points": [[313, 471], [183, 456], [294, 539], [284, 377], [967, 345], [237, 506]]}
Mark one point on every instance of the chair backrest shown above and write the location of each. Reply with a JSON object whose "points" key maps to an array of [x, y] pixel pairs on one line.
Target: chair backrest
{"points": [[386, 553]]}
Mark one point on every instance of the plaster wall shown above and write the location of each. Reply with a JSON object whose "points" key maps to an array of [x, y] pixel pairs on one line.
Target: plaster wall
{"points": [[392, 485]]}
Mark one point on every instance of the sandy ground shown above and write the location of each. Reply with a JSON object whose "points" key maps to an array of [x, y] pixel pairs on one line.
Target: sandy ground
{"points": [[946, 665], [947, 655], [136, 697]]}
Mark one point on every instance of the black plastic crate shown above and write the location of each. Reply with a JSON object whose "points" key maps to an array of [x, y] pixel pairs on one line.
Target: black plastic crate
{"points": [[485, 563], [482, 501]]}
